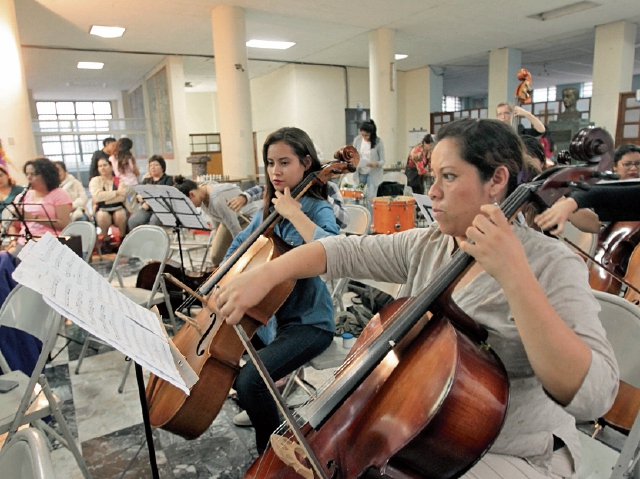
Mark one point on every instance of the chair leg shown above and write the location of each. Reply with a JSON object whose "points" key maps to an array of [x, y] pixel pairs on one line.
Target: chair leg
{"points": [[83, 353], [167, 303], [124, 376], [338, 291], [66, 433]]}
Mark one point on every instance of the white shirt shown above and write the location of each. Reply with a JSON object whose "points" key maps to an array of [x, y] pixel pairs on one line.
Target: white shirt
{"points": [[365, 157]]}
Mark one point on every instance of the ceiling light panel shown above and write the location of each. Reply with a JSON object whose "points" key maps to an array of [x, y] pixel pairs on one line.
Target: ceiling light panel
{"points": [[562, 11], [270, 44], [90, 65], [400, 56], [106, 32]]}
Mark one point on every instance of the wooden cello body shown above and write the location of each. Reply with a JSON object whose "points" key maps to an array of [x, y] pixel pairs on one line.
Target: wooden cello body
{"points": [[633, 277], [437, 427]]}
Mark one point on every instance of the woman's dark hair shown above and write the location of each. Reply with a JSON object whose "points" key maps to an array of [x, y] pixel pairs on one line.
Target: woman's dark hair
{"points": [[534, 148], [158, 159], [487, 144], [45, 168], [62, 165], [623, 150], [370, 127], [184, 185], [123, 154], [428, 139], [302, 147]]}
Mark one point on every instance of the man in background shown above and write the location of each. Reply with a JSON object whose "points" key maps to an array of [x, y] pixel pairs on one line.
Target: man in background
{"points": [[108, 145]]}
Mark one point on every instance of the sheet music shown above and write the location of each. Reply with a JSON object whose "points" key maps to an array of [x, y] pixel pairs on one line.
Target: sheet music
{"points": [[77, 291], [167, 200], [426, 205]]}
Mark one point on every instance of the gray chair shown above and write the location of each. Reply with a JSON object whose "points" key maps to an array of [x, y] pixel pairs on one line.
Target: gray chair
{"points": [[27, 457], [32, 400], [87, 233]]}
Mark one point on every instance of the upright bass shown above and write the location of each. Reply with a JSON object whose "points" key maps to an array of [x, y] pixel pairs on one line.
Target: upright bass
{"points": [[420, 394], [212, 347]]}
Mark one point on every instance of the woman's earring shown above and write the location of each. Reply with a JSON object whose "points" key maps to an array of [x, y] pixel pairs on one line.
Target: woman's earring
{"points": [[495, 201]]}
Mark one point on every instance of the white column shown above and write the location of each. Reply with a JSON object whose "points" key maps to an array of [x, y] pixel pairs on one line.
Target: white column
{"points": [[503, 77], [16, 131], [234, 100], [383, 87], [613, 58]]}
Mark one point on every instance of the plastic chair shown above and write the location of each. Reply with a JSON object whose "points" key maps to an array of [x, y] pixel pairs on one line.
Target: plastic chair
{"points": [[621, 321], [587, 242], [28, 456], [87, 232], [32, 400], [146, 243]]}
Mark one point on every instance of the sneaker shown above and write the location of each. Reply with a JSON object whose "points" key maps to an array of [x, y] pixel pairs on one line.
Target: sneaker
{"points": [[242, 419]]}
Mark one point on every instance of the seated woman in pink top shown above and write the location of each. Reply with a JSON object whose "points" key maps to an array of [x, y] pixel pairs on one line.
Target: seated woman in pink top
{"points": [[46, 207], [124, 164]]}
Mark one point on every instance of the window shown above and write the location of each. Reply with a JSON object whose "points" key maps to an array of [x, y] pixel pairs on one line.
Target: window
{"points": [[544, 94], [61, 124], [451, 103], [586, 90], [160, 114]]}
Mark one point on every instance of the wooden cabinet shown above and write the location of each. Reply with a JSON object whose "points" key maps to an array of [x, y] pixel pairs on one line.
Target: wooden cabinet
{"points": [[208, 144]]}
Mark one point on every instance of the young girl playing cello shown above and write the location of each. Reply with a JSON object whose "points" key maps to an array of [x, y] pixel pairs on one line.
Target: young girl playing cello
{"points": [[305, 324], [530, 293]]}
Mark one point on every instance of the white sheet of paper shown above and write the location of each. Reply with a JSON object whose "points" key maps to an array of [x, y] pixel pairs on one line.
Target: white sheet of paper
{"points": [[77, 291], [166, 200], [426, 205]]}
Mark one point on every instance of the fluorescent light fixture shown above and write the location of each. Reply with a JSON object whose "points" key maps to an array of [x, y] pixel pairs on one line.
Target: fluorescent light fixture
{"points": [[106, 32], [90, 65], [400, 56], [270, 44], [562, 11]]}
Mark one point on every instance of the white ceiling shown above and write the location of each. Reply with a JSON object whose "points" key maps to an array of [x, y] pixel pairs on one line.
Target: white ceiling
{"points": [[453, 35]]}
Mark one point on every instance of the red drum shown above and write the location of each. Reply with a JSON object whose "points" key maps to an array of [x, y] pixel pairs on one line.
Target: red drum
{"points": [[352, 194], [393, 213]]}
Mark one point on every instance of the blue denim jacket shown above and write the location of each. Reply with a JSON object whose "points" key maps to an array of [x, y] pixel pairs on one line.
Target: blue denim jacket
{"points": [[309, 302]]}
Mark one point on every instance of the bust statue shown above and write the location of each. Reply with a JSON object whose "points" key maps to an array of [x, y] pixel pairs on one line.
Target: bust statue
{"points": [[570, 98]]}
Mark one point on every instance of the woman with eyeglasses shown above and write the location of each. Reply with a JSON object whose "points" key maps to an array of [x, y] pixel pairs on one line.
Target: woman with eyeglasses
{"points": [[626, 162]]}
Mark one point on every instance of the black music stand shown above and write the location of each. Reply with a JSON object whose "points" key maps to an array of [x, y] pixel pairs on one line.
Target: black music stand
{"points": [[173, 209]]}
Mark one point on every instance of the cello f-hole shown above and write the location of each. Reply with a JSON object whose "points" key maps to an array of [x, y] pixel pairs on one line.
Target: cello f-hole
{"points": [[199, 351]]}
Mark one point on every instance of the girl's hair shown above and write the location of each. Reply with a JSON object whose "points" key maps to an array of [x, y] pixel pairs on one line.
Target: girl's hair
{"points": [[184, 185], [45, 168], [302, 147], [370, 127], [428, 139], [487, 144], [158, 159], [534, 149], [123, 154], [9, 177]]}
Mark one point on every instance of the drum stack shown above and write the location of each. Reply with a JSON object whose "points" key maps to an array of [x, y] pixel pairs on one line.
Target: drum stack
{"points": [[393, 213], [352, 196]]}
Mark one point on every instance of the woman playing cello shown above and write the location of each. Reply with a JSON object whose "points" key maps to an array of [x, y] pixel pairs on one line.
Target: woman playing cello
{"points": [[530, 292], [305, 325]]}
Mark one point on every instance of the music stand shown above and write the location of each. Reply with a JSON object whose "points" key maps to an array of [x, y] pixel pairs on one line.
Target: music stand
{"points": [[174, 209]]}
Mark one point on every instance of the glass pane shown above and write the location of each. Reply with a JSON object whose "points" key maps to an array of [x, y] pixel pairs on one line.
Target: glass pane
{"points": [[436, 128], [484, 112], [539, 108], [103, 117], [474, 113], [86, 125], [631, 103], [67, 138], [68, 148], [50, 138], [55, 157], [583, 104], [104, 107], [84, 108], [85, 117], [47, 117], [465, 113], [437, 119], [46, 108], [51, 149], [65, 108], [632, 116], [49, 125], [630, 131], [102, 125]]}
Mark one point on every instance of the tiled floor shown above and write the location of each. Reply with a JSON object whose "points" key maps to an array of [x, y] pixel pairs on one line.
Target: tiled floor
{"points": [[109, 427]]}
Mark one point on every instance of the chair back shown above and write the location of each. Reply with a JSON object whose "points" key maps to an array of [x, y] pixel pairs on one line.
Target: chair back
{"points": [[395, 176], [87, 232], [27, 456], [146, 242], [621, 321], [359, 220], [24, 309], [587, 242]]}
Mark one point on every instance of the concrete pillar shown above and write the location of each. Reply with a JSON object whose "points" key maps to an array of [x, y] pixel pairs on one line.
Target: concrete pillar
{"points": [[613, 58], [16, 131], [234, 100], [383, 88], [503, 77]]}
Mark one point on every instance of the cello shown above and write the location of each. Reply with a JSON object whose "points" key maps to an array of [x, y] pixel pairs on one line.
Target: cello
{"points": [[211, 346], [418, 395]]}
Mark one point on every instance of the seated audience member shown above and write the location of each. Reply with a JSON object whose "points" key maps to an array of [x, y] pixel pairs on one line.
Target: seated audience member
{"points": [[45, 206], [334, 199], [155, 176], [8, 188], [109, 196], [108, 146], [213, 198], [78, 196]]}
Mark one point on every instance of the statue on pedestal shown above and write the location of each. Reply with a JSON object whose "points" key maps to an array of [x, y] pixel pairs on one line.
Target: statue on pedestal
{"points": [[570, 98]]}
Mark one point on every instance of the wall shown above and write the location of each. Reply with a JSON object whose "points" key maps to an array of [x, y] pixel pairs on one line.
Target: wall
{"points": [[200, 112], [358, 87]]}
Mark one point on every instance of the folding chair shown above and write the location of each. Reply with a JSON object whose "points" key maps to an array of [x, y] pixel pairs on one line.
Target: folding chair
{"points": [[28, 456], [193, 246], [621, 321], [32, 400], [146, 243], [587, 242], [88, 234]]}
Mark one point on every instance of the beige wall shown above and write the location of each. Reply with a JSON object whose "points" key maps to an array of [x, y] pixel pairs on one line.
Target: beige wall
{"points": [[200, 113], [358, 87]]}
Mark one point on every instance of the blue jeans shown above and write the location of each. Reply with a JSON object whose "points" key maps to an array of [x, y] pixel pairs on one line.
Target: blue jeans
{"points": [[294, 345]]}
